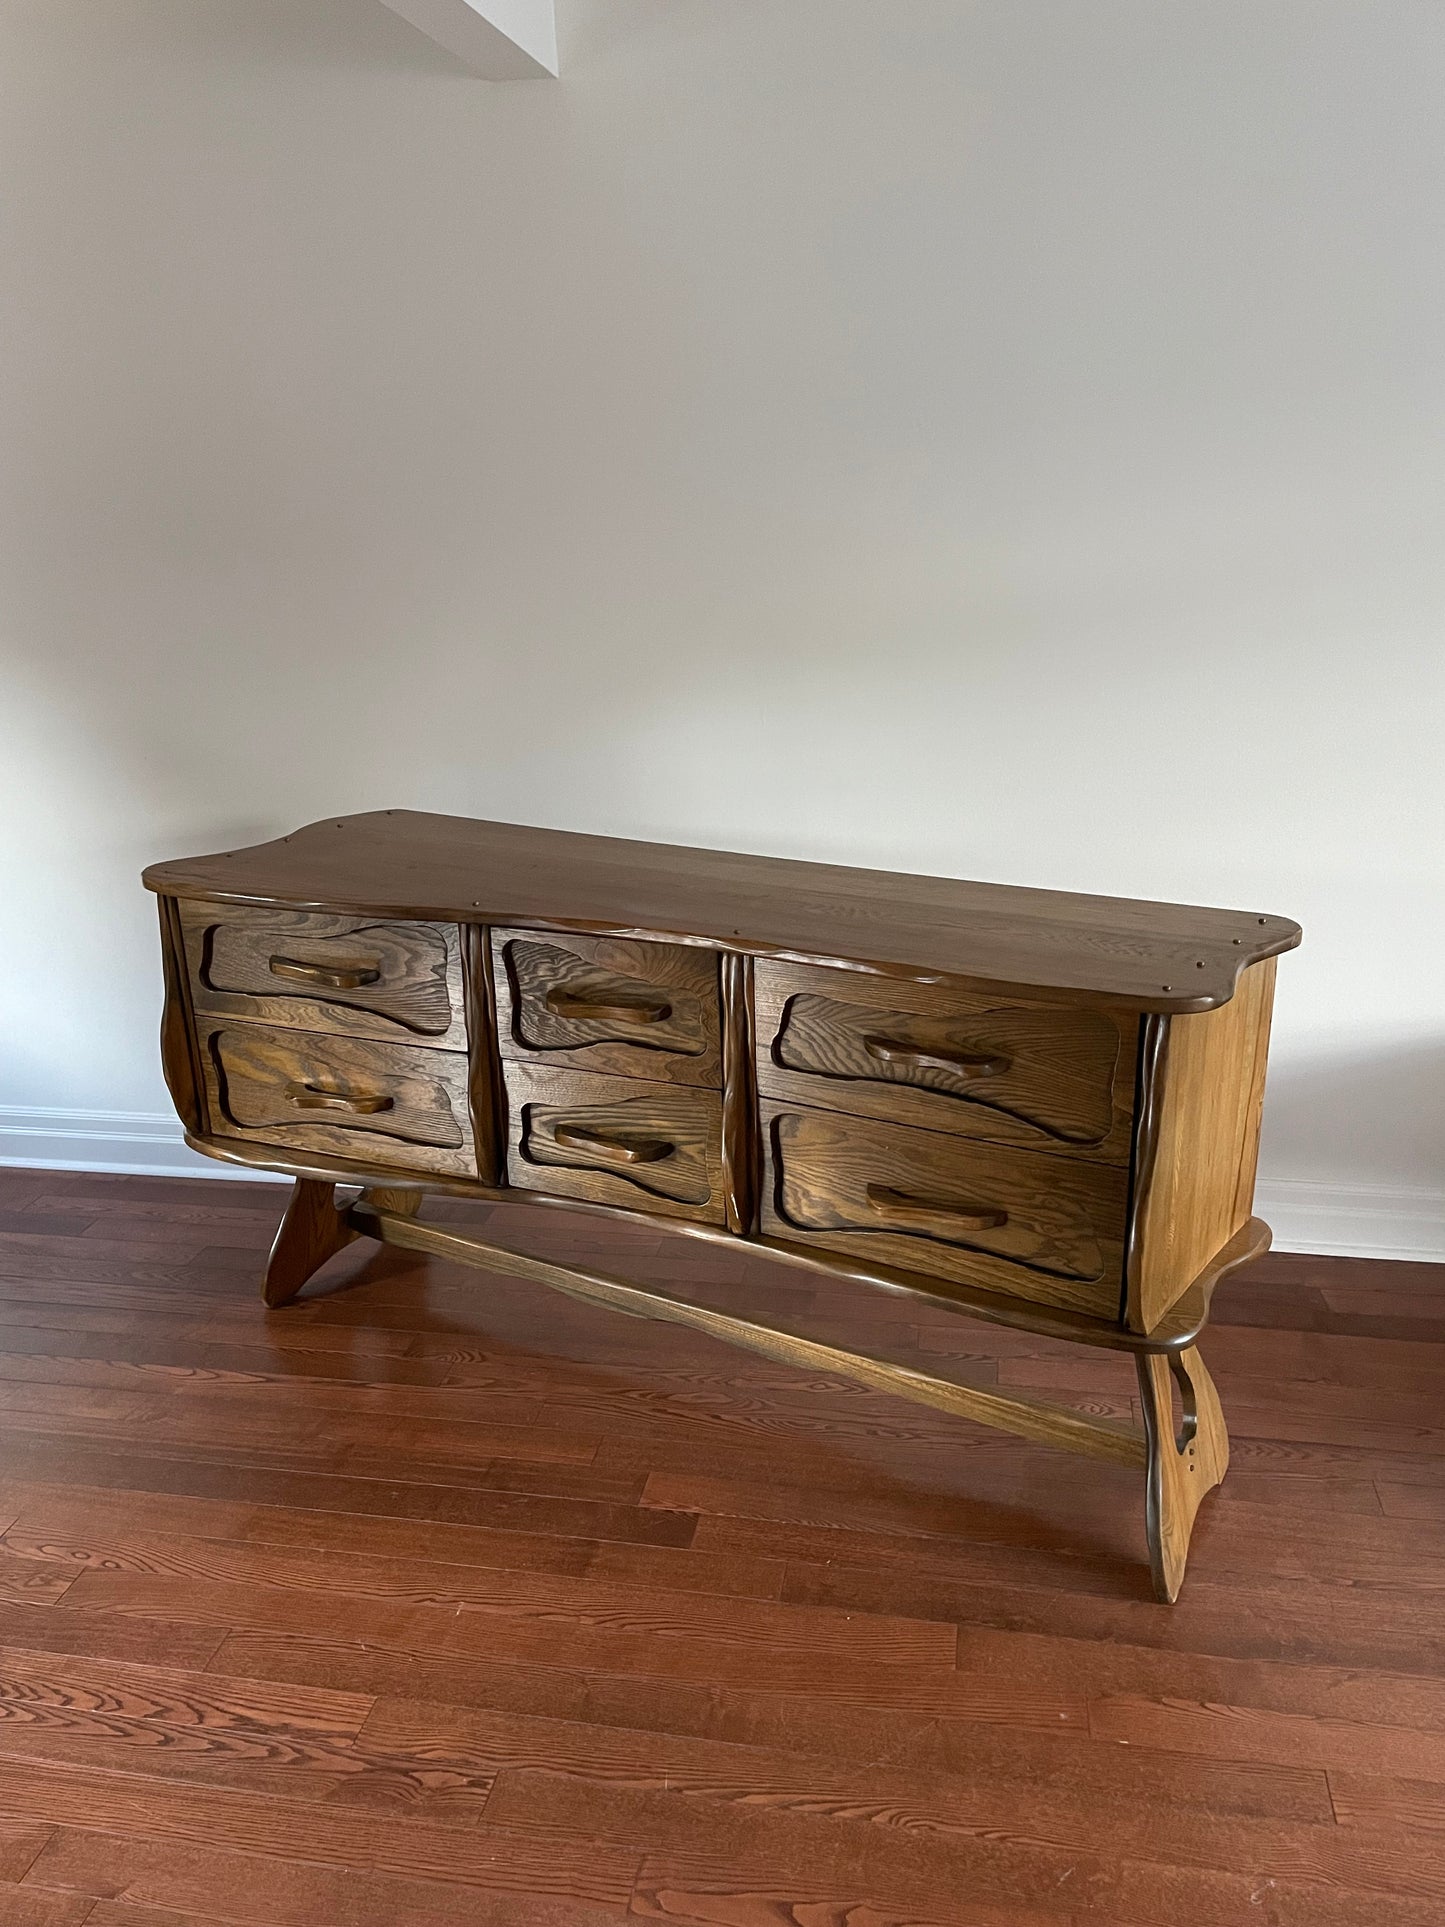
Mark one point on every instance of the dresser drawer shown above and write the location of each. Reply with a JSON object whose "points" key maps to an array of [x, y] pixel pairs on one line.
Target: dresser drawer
{"points": [[1049, 1075], [1023, 1223], [358, 977], [607, 1004], [348, 1096], [616, 1140]]}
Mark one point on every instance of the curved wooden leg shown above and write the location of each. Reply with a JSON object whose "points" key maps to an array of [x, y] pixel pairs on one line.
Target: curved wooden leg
{"points": [[1183, 1466], [311, 1231]]}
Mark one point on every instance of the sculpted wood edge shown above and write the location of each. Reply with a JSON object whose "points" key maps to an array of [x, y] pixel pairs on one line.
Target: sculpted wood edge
{"points": [[1153, 1054], [180, 1057], [741, 1176], [485, 1089]]}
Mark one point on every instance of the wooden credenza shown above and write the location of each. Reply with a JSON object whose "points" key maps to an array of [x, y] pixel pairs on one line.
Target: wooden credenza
{"points": [[1036, 1107]]}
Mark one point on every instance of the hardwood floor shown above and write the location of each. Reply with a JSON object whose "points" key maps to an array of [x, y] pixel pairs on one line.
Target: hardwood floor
{"points": [[436, 1598]]}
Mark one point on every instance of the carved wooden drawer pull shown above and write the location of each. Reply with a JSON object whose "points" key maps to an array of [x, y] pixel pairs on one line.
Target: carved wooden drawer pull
{"points": [[328, 976], [907, 1057], [312, 1097], [641, 1150], [569, 1003], [924, 1214]]}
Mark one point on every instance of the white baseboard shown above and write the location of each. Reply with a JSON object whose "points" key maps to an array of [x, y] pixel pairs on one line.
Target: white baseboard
{"points": [[1354, 1220], [139, 1144], [1338, 1220]]}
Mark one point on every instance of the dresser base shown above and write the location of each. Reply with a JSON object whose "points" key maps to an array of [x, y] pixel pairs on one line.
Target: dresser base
{"points": [[1181, 1462]]}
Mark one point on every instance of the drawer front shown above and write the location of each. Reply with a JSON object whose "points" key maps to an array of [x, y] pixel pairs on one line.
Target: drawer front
{"points": [[348, 1096], [1049, 1075], [357, 977], [1026, 1224], [616, 1140], [609, 1005]]}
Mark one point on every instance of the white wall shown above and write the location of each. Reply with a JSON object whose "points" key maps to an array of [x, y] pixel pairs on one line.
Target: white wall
{"points": [[1002, 439]]}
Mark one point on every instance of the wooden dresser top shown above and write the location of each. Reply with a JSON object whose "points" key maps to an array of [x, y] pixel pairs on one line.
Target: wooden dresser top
{"points": [[1150, 956]]}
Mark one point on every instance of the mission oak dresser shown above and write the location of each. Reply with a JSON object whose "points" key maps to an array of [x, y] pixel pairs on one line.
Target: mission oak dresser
{"points": [[1037, 1108]]}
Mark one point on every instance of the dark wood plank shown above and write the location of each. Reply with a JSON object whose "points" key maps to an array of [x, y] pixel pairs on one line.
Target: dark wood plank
{"points": [[1010, 1858], [94, 1807], [941, 1788], [527, 1615], [883, 1709], [166, 1880], [33, 1906], [48, 1516], [126, 1913]]}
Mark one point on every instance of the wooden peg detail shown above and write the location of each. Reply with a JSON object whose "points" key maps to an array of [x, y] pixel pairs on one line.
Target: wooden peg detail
{"points": [[1184, 1464], [311, 1231]]}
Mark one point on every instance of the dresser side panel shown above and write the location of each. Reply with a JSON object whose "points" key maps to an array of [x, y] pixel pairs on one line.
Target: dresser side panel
{"points": [[1200, 1188]]}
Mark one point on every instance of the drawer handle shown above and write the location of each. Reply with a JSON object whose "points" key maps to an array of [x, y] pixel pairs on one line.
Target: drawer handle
{"points": [[570, 1003], [329, 976], [926, 1214], [313, 1097], [962, 1063], [641, 1150]]}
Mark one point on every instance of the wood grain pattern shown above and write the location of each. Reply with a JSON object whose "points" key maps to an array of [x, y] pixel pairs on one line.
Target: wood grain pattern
{"points": [[1042, 1227], [1186, 1460], [286, 1087], [742, 1156], [487, 1095], [179, 1060], [599, 1004], [394, 980], [1198, 1168], [615, 1140], [916, 1054], [1147, 956], [1054, 1748], [381, 1197]]}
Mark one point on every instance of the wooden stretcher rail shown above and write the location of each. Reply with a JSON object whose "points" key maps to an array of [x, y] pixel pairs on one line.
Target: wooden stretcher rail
{"points": [[1027, 1417]]}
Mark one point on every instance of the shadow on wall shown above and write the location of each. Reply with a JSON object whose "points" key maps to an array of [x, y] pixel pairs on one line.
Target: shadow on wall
{"points": [[1341, 1117], [328, 37]]}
